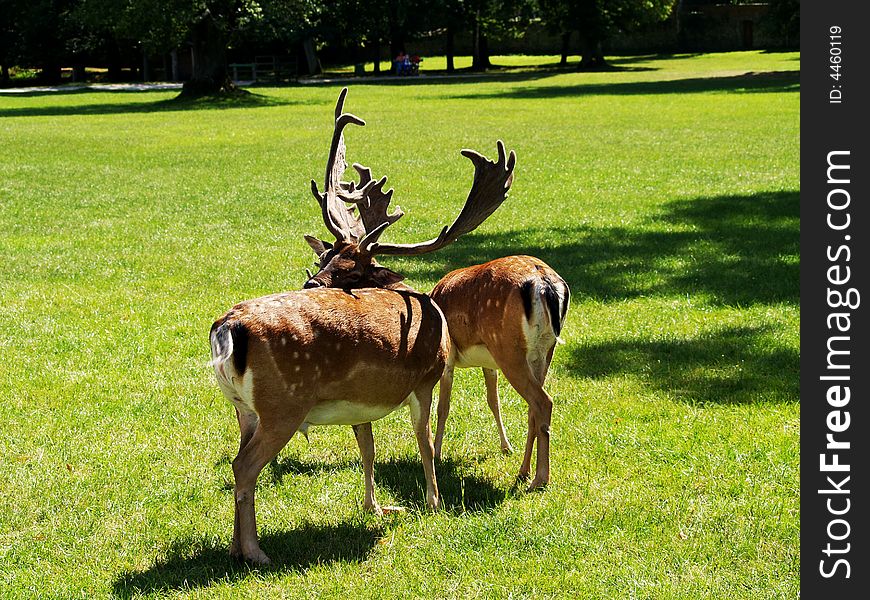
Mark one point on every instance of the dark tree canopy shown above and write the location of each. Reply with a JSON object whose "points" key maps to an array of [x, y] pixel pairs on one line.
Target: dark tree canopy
{"points": [[597, 20]]}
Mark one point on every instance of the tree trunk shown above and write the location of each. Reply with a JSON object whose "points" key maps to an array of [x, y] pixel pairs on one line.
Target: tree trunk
{"points": [[311, 61], [593, 55], [4, 74], [376, 46], [566, 48], [209, 53], [592, 33], [50, 73], [173, 56], [449, 48], [480, 53], [114, 58], [146, 67]]}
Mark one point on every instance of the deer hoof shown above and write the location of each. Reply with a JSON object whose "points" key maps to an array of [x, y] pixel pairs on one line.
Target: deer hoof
{"points": [[258, 558], [538, 484], [506, 449]]}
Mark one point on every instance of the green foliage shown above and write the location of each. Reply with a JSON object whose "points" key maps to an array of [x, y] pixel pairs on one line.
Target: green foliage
{"points": [[666, 193]]}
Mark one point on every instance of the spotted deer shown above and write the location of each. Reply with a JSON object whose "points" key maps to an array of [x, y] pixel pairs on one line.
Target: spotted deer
{"points": [[506, 314], [330, 357]]}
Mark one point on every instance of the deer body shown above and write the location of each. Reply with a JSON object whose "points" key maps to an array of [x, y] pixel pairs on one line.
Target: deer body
{"points": [[505, 315], [324, 357]]}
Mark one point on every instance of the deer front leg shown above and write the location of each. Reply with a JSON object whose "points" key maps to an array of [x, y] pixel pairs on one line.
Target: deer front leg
{"points": [[420, 403], [490, 377], [366, 442], [444, 390]]}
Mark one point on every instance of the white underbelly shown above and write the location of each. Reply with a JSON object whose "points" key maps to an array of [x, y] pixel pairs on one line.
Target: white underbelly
{"points": [[475, 356], [342, 412]]}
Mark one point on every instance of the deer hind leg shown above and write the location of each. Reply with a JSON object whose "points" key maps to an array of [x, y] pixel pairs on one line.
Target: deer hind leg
{"points": [[420, 402], [247, 425], [526, 466], [366, 442], [490, 377], [264, 445], [444, 390], [523, 379]]}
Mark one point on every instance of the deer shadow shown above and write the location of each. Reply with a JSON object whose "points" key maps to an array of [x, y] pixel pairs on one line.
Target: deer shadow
{"points": [[461, 490], [199, 562]]}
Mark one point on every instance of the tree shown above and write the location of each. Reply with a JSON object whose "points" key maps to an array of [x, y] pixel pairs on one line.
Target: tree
{"points": [[597, 20]]}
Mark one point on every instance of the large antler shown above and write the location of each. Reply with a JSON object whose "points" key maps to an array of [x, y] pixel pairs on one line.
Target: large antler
{"points": [[339, 219], [492, 180]]}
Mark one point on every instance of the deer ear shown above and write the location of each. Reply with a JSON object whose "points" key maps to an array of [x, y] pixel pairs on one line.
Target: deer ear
{"points": [[383, 277], [318, 246]]}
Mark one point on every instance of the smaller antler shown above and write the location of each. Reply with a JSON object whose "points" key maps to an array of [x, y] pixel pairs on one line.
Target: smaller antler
{"points": [[492, 180], [340, 220]]}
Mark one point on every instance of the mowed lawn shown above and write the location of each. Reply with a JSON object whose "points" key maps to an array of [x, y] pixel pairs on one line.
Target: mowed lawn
{"points": [[665, 192]]}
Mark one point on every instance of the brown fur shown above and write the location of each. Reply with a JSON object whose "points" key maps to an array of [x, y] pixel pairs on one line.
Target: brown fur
{"points": [[484, 306], [370, 348]]}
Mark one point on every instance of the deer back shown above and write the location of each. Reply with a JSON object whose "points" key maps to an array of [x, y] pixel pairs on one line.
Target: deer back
{"points": [[367, 349]]}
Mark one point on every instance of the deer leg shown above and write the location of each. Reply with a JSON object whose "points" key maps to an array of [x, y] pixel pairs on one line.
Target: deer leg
{"points": [[526, 466], [263, 446], [490, 377], [420, 402], [366, 442], [444, 390], [247, 425], [521, 376]]}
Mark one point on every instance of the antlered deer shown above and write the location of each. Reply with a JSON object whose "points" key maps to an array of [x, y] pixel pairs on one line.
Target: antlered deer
{"points": [[327, 357], [507, 314]]}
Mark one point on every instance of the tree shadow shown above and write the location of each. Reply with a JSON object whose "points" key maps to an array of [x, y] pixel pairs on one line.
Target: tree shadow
{"points": [[196, 563], [153, 106], [724, 250], [763, 82], [732, 365]]}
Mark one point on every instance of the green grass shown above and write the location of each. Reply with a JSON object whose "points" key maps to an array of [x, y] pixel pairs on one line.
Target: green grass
{"points": [[665, 193]]}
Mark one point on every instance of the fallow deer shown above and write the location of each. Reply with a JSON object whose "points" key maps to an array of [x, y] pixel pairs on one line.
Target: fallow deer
{"points": [[507, 314], [329, 357]]}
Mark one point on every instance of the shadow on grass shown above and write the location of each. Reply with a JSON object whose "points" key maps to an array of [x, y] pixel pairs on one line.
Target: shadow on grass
{"points": [[732, 365], [767, 82], [167, 105], [460, 489], [725, 250], [195, 563]]}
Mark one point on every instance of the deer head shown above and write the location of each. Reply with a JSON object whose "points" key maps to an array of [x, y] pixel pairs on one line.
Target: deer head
{"points": [[349, 261]]}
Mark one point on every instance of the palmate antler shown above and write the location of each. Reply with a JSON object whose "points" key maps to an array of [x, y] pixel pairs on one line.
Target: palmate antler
{"points": [[492, 180]]}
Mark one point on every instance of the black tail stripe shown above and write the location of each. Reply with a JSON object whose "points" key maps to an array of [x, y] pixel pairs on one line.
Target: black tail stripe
{"points": [[526, 291], [240, 347], [551, 297]]}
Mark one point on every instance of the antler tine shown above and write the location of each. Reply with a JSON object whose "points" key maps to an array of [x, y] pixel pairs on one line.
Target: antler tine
{"points": [[492, 180], [375, 212]]}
